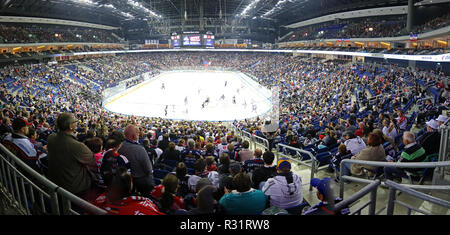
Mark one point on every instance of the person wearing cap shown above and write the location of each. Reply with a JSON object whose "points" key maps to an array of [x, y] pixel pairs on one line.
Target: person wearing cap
{"points": [[19, 138], [285, 189], [327, 199], [431, 139], [441, 120]]}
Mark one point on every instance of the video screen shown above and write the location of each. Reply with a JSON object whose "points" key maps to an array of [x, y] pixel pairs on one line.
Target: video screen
{"points": [[209, 43], [209, 40], [192, 40]]}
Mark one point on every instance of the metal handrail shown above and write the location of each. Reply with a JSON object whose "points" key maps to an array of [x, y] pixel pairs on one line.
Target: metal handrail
{"points": [[372, 189], [393, 187], [265, 141], [386, 164], [51, 188], [298, 151]]}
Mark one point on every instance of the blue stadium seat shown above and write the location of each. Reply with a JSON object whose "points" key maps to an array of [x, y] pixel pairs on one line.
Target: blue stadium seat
{"points": [[324, 158]]}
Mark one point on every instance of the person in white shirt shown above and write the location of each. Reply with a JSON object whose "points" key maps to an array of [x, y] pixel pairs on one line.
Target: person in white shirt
{"points": [[353, 143], [285, 189], [389, 129]]}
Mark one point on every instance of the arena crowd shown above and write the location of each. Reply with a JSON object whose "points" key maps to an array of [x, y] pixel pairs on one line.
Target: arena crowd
{"points": [[52, 117]]}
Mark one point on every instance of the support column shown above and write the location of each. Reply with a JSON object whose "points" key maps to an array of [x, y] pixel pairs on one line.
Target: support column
{"points": [[410, 16], [202, 23]]}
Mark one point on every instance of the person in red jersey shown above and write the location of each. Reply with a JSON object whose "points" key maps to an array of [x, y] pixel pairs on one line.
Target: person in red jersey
{"points": [[117, 200]]}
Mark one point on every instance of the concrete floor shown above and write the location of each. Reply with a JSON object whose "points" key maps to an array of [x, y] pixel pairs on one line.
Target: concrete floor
{"points": [[382, 195]]}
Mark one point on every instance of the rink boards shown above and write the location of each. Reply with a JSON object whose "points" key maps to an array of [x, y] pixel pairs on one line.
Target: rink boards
{"points": [[232, 95]]}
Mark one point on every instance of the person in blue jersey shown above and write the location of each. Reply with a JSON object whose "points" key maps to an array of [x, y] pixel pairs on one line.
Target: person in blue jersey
{"points": [[210, 151], [254, 163], [327, 199], [189, 154], [244, 200]]}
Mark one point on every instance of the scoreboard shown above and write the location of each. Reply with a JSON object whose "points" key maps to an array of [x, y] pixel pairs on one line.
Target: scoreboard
{"points": [[192, 39]]}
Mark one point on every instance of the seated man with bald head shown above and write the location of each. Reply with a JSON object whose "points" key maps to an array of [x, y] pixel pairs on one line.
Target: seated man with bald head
{"points": [[413, 152], [141, 167]]}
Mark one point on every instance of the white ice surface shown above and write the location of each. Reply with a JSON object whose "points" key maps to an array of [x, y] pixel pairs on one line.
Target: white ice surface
{"points": [[149, 100]]}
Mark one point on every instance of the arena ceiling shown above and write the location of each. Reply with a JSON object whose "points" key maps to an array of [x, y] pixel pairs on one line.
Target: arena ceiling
{"points": [[113, 12]]}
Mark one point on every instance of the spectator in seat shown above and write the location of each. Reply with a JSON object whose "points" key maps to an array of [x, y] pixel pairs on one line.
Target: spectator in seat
{"points": [[329, 139], [155, 147], [222, 147], [170, 153], [209, 151], [285, 189], [374, 151], [5, 126], [413, 152], [206, 203], [425, 111], [18, 137], [250, 165], [189, 155], [111, 159], [402, 121], [309, 140], [431, 139], [327, 200], [166, 192], [353, 143], [210, 164], [183, 178], [441, 120], [245, 153], [360, 132], [260, 175], [69, 160], [141, 167], [223, 169], [244, 200], [391, 148], [201, 171], [118, 199], [390, 129], [152, 155], [295, 143], [95, 144], [164, 143], [341, 154]]}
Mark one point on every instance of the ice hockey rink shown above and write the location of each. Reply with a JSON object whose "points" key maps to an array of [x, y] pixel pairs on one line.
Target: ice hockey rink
{"points": [[181, 95]]}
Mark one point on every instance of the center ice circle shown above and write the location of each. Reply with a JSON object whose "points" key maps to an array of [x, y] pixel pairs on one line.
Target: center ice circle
{"points": [[194, 95]]}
